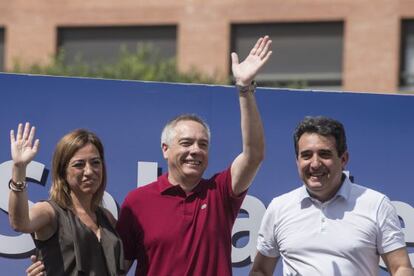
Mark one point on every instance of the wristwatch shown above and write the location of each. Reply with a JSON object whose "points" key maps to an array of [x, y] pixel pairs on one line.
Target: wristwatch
{"points": [[248, 88]]}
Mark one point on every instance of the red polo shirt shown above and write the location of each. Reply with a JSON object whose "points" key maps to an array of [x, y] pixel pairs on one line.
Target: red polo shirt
{"points": [[171, 233]]}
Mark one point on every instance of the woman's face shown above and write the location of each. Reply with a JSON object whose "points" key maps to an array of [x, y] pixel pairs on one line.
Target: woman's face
{"points": [[84, 171]]}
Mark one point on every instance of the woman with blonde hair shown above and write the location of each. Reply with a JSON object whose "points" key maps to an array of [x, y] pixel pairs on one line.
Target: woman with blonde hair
{"points": [[73, 234]]}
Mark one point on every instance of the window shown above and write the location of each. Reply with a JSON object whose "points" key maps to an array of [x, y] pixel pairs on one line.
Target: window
{"points": [[97, 45], [308, 54], [1, 49], [407, 55]]}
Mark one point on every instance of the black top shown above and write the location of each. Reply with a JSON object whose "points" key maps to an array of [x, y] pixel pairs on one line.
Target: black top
{"points": [[75, 250]]}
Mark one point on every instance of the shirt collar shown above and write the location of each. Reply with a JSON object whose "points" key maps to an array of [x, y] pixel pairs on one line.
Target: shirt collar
{"points": [[165, 187], [343, 192]]}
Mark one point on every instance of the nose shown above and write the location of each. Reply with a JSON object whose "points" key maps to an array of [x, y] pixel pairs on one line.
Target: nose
{"points": [[88, 169], [195, 147], [315, 162]]}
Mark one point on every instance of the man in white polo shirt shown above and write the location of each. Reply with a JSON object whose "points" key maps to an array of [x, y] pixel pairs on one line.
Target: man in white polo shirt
{"points": [[329, 226]]}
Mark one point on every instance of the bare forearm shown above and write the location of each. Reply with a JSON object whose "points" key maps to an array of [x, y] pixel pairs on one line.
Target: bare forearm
{"points": [[258, 273], [404, 271], [252, 129], [263, 265], [18, 202], [246, 165]]}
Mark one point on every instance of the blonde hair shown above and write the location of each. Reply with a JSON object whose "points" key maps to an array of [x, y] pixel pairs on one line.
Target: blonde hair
{"points": [[65, 150]]}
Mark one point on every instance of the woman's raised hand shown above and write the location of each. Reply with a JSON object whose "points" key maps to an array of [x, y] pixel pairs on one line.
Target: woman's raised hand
{"points": [[23, 148]]}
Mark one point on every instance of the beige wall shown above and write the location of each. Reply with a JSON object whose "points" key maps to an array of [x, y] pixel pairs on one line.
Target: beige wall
{"points": [[371, 29]]}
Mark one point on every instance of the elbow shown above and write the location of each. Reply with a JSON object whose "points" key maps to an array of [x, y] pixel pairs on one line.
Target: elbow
{"points": [[18, 227], [257, 156], [261, 155]]}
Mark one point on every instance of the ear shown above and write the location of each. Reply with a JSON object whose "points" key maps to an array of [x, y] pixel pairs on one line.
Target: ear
{"points": [[297, 161], [164, 148], [344, 159]]}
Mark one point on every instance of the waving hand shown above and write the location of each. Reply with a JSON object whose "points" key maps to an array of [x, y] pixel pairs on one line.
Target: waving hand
{"points": [[23, 149], [246, 71]]}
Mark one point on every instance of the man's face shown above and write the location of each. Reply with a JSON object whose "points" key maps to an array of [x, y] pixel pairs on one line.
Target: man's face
{"points": [[187, 153], [319, 165]]}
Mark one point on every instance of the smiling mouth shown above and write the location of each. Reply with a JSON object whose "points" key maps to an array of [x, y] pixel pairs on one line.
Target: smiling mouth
{"points": [[317, 175], [192, 162]]}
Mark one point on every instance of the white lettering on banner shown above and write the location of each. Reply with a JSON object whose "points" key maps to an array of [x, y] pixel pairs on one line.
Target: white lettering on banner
{"points": [[147, 172], [245, 226], [251, 224], [21, 244]]}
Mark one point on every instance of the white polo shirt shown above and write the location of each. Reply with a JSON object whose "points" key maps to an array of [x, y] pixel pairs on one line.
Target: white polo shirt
{"points": [[343, 236]]}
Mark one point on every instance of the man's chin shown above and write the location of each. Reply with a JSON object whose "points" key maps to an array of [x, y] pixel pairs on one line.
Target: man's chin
{"points": [[314, 186], [194, 173]]}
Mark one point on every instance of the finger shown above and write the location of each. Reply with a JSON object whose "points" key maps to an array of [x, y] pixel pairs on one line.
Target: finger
{"points": [[26, 131], [12, 138], [35, 269], [31, 135], [36, 145], [19, 131], [262, 45], [264, 60], [256, 46], [266, 49], [234, 59]]}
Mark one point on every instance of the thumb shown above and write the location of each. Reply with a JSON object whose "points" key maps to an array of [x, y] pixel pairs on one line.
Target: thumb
{"points": [[234, 58]]}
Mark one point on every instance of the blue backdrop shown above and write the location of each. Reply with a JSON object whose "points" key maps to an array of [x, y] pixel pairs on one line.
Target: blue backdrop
{"points": [[129, 116]]}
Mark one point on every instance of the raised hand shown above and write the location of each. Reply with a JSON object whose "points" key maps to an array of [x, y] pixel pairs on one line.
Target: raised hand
{"points": [[246, 71], [23, 150]]}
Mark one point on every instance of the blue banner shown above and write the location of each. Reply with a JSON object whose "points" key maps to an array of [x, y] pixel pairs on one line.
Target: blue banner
{"points": [[129, 115]]}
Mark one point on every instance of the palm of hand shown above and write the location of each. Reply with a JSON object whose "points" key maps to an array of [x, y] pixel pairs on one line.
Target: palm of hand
{"points": [[22, 152], [246, 70]]}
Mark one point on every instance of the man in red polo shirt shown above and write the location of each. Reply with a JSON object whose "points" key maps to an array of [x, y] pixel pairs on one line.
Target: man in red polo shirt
{"points": [[181, 224]]}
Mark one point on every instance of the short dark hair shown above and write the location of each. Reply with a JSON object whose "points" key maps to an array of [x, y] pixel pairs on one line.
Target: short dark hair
{"points": [[323, 126]]}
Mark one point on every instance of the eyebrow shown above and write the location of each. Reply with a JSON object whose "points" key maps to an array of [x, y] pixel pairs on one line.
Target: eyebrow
{"points": [[81, 159], [319, 151]]}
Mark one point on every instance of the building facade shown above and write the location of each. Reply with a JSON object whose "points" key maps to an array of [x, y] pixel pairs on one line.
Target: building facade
{"points": [[350, 45]]}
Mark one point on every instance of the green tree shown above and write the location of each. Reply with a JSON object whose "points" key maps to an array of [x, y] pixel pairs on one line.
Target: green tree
{"points": [[143, 64]]}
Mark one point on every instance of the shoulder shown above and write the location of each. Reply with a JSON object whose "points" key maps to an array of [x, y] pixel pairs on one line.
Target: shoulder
{"points": [[367, 193], [143, 190], [44, 207], [285, 202], [287, 197], [47, 216], [368, 199], [220, 177], [142, 193]]}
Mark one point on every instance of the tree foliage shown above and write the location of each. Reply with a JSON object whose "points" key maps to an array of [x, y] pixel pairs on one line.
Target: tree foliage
{"points": [[143, 64]]}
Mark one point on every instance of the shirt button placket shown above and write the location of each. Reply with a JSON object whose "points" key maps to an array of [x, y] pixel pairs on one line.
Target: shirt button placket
{"points": [[323, 218]]}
